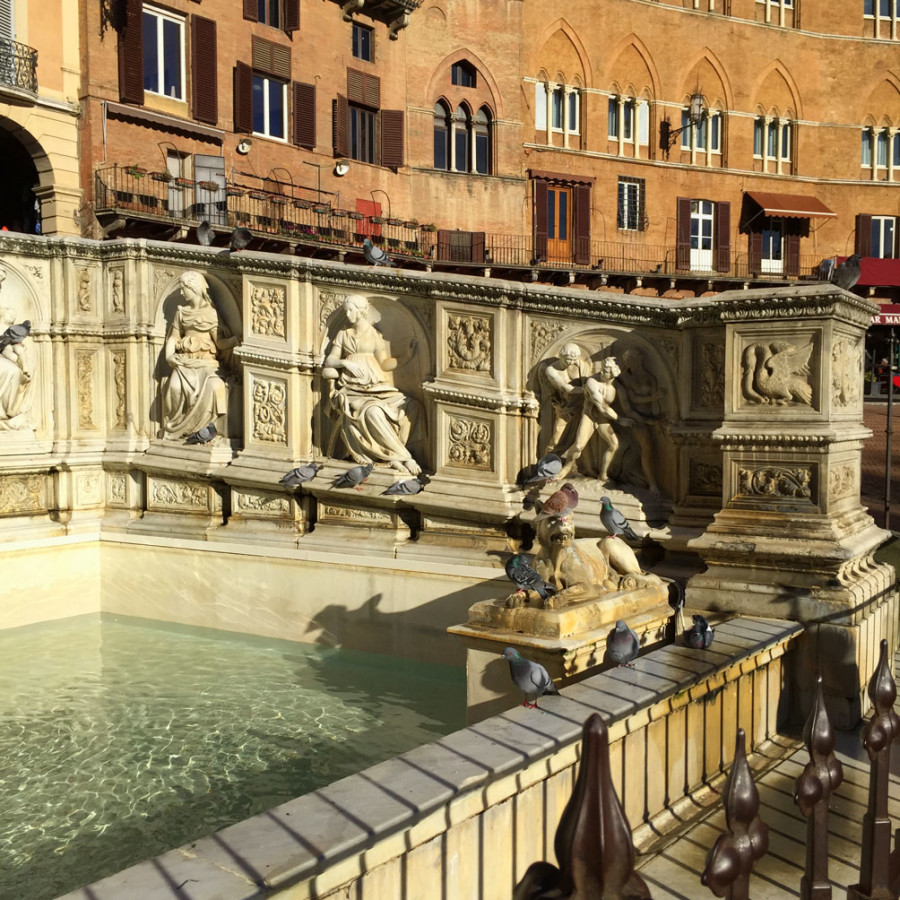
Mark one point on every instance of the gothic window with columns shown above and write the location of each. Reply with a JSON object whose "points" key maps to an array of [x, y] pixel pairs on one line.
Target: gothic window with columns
{"points": [[557, 110], [880, 152], [773, 143], [462, 139]]}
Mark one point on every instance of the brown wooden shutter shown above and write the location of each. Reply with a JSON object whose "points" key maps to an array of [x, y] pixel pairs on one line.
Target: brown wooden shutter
{"points": [[291, 15], [243, 98], [864, 234], [683, 233], [792, 254], [371, 90], [582, 221], [540, 220], [755, 253], [642, 205], [340, 126], [443, 243], [203, 74], [271, 58], [354, 85], [131, 53], [304, 114], [251, 10], [477, 246], [723, 237], [391, 138]]}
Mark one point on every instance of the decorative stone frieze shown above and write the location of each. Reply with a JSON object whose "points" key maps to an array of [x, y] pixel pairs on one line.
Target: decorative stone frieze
{"points": [[88, 488], [161, 280], [543, 334], [22, 494], [842, 481], [268, 311], [329, 302], [469, 343], [84, 290], [470, 442], [334, 514], [709, 376], [85, 369], [269, 410], [257, 502], [775, 481], [846, 372], [117, 291], [119, 388], [117, 489], [167, 493], [777, 372], [705, 478]]}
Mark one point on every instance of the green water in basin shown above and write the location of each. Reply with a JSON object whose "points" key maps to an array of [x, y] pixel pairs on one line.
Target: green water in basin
{"points": [[122, 739]]}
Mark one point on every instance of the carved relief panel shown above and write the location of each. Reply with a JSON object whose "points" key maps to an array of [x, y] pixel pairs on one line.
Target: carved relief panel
{"points": [[268, 310], [470, 442], [22, 493], [116, 278], [85, 388], [119, 387], [268, 399], [469, 343], [708, 374], [846, 372]]}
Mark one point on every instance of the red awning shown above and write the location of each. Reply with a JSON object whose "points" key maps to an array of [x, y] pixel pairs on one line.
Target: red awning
{"points": [[790, 206], [877, 272], [889, 315]]}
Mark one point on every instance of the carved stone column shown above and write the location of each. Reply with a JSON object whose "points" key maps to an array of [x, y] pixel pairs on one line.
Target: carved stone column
{"points": [[792, 539]]}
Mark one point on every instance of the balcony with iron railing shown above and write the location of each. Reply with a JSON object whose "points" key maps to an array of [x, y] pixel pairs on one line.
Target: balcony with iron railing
{"points": [[309, 226], [18, 68]]}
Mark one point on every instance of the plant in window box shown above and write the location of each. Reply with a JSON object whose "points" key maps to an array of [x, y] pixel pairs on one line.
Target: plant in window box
{"points": [[136, 171], [184, 182], [164, 177], [339, 213], [258, 195], [303, 204], [232, 191], [208, 185], [393, 243], [321, 209], [395, 221], [356, 215], [412, 224], [429, 227], [377, 220], [278, 200]]}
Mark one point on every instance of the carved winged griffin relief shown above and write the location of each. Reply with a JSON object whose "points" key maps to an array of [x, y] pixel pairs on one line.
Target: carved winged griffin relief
{"points": [[777, 373]]}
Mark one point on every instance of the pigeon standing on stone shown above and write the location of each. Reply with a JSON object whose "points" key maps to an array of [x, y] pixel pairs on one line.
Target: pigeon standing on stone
{"points": [[530, 677], [560, 503], [409, 486], [203, 436], [613, 521], [623, 644], [205, 234], [354, 477], [375, 255], [846, 274], [523, 576], [240, 238], [300, 475], [700, 636], [15, 334], [546, 469]]}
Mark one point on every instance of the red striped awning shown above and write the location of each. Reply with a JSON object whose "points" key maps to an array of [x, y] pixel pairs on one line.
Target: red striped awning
{"points": [[791, 206]]}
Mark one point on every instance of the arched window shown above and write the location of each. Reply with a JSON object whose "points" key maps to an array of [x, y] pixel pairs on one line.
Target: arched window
{"points": [[483, 141], [460, 139], [773, 141], [462, 74], [881, 151], [441, 136]]}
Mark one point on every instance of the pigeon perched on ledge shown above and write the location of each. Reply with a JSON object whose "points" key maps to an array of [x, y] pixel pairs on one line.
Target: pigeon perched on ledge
{"points": [[529, 677], [205, 234], [15, 334], [614, 521], [203, 436], [700, 636], [407, 487], [354, 477], [375, 255], [524, 577], [300, 475], [623, 644], [846, 274], [560, 503], [545, 469], [240, 238]]}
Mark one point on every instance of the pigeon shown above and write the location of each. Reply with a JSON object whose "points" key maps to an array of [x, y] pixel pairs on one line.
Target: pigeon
{"points": [[375, 255], [300, 475], [205, 234], [409, 486], [560, 503], [613, 521], [846, 274], [700, 636], [15, 334], [523, 576], [353, 477], [240, 238], [622, 644], [546, 469], [203, 436], [530, 677]]}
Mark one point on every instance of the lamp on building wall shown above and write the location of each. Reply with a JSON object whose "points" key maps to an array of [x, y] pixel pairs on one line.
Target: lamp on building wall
{"points": [[244, 146], [667, 134]]}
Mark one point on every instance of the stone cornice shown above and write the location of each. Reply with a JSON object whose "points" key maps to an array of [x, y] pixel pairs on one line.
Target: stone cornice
{"points": [[280, 362], [500, 402]]}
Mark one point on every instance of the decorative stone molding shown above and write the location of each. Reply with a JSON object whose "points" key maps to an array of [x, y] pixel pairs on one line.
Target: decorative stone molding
{"points": [[329, 513], [269, 410], [22, 493], [88, 489], [169, 494], [841, 481], [709, 376], [469, 343], [83, 291], [775, 481], [119, 388], [329, 302], [470, 442], [543, 334], [36, 271], [267, 311], [85, 369], [846, 372], [667, 348], [117, 489], [705, 479], [117, 291], [495, 402], [161, 279], [256, 502], [777, 373]]}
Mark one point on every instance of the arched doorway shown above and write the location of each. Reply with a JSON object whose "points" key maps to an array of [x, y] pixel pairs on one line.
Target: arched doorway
{"points": [[19, 207]]}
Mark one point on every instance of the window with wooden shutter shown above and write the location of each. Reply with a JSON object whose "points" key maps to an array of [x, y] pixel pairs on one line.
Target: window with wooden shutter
{"points": [[460, 246], [131, 53], [792, 254], [6, 20], [251, 10], [540, 220], [864, 234], [340, 130], [723, 237], [683, 233], [755, 252], [271, 58], [582, 219], [304, 114], [291, 15], [392, 138], [204, 75], [363, 88], [243, 98]]}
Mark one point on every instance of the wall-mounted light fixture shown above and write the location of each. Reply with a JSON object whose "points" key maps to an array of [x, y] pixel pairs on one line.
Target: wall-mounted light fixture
{"points": [[667, 134], [341, 168], [244, 146]]}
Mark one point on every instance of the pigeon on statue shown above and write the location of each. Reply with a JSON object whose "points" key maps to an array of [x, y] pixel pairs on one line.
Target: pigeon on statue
{"points": [[530, 677], [240, 238], [846, 274], [700, 636], [408, 486], [524, 577], [205, 234], [560, 503], [546, 469], [203, 436], [623, 644], [300, 475], [375, 255], [354, 477], [613, 521], [15, 334]]}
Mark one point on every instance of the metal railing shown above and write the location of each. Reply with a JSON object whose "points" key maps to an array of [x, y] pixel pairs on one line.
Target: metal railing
{"points": [[306, 221], [18, 65]]}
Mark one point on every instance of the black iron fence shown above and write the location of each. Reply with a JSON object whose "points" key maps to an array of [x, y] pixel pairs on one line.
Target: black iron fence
{"points": [[282, 214], [18, 65]]}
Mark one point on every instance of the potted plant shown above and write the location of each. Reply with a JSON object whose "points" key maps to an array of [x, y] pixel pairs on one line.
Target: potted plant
{"points": [[429, 227], [164, 177], [136, 171], [321, 209], [303, 204], [377, 220], [184, 182], [395, 221], [234, 191], [258, 195], [355, 215], [278, 199], [339, 213], [208, 185], [412, 224]]}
